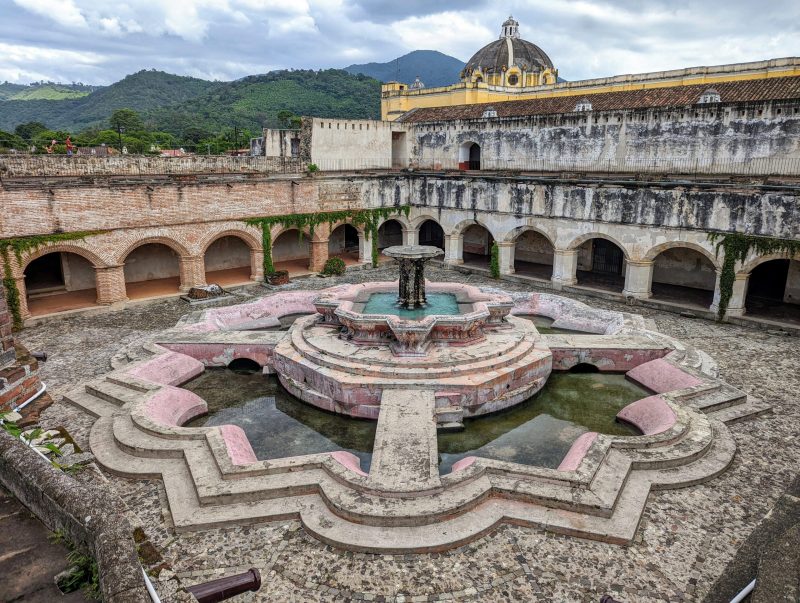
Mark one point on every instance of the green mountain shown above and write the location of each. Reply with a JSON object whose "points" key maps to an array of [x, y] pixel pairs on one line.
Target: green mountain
{"points": [[189, 106], [255, 101], [142, 91], [432, 67]]}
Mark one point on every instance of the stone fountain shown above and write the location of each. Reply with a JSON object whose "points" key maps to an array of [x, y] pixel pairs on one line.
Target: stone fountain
{"points": [[412, 260]]}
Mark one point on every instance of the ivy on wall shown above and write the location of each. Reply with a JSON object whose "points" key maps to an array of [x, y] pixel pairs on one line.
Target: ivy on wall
{"points": [[369, 219], [737, 247], [19, 247], [494, 264]]}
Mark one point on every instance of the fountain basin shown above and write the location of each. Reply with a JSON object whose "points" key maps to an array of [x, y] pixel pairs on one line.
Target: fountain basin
{"points": [[479, 312]]}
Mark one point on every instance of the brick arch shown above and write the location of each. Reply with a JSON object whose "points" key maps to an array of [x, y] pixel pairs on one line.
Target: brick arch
{"points": [[336, 225], [655, 251], [180, 249], [512, 235], [252, 241], [580, 240], [96, 260], [279, 229], [753, 263]]}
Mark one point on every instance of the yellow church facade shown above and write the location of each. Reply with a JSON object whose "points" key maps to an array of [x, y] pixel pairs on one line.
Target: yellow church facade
{"points": [[511, 68]]}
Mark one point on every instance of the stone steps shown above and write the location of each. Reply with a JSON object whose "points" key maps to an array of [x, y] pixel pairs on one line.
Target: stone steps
{"points": [[742, 411], [723, 397], [449, 414], [113, 392], [96, 407], [345, 362]]}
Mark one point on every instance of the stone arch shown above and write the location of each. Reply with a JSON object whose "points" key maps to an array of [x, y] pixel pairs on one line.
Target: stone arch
{"points": [[290, 251], [404, 222], [432, 234], [389, 239], [417, 221], [658, 249], [581, 239], [469, 155], [512, 235], [754, 262], [343, 242], [459, 228], [682, 272], [531, 253], [178, 248]]}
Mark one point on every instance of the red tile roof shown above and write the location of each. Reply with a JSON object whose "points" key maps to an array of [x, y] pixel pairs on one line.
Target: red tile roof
{"points": [[778, 88]]}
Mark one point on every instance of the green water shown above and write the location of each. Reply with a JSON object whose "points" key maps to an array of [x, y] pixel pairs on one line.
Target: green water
{"points": [[541, 430], [386, 303], [538, 432], [276, 423]]}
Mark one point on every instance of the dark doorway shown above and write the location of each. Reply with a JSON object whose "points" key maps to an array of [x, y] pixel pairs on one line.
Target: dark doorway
{"points": [[44, 273], [430, 233], [768, 280], [474, 157], [607, 258]]}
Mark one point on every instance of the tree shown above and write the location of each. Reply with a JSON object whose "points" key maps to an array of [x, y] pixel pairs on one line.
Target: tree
{"points": [[29, 130], [126, 119], [288, 120]]}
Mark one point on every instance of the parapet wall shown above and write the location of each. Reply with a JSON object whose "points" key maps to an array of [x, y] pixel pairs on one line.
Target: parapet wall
{"points": [[89, 515], [22, 166]]}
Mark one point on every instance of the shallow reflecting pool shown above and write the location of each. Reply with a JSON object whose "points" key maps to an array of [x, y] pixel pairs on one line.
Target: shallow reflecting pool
{"points": [[541, 430], [276, 423], [386, 303]]}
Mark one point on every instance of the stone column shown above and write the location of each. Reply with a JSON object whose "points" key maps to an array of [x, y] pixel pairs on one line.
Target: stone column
{"points": [[453, 249], [23, 298], [565, 267], [193, 272], [319, 255], [736, 303], [506, 257], [364, 248], [638, 279], [410, 236], [256, 265], [110, 284]]}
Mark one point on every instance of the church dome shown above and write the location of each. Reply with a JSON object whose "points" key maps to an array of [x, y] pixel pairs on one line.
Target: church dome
{"points": [[508, 51]]}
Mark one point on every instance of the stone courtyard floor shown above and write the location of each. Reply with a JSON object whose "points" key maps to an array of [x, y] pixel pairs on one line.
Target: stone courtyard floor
{"points": [[686, 537]]}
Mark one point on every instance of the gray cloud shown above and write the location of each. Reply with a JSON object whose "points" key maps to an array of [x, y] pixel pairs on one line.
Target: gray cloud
{"points": [[100, 42]]}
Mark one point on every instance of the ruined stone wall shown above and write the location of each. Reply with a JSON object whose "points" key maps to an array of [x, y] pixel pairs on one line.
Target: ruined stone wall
{"points": [[716, 138], [338, 144], [7, 355]]}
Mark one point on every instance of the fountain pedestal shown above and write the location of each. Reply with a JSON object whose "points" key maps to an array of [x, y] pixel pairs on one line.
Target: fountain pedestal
{"points": [[412, 260]]}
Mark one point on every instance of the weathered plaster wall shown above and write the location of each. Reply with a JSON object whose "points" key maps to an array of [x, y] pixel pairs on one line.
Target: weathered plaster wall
{"points": [[715, 135], [792, 293], [534, 247], [151, 261], [684, 267], [476, 240], [227, 252], [290, 246], [351, 143], [78, 272]]}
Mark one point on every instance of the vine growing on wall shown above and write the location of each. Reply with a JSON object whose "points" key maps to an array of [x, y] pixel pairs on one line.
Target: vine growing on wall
{"points": [[369, 219], [736, 247], [19, 247], [494, 263]]}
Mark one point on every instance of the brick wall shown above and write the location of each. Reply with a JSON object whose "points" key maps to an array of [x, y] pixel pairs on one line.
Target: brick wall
{"points": [[37, 166], [7, 355]]}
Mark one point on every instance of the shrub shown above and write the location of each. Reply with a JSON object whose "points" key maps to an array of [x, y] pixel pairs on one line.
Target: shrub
{"points": [[494, 265], [312, 167], [334, 266]]}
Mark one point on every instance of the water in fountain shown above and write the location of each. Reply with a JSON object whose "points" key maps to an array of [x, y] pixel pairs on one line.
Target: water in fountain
{"points": [[437, 303]]}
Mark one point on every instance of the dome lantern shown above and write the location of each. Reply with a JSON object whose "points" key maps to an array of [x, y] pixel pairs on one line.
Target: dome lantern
{"points": [[510, 28]]}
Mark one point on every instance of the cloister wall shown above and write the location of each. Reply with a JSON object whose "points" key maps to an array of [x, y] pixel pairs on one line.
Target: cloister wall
{"points": [[755, 137]]}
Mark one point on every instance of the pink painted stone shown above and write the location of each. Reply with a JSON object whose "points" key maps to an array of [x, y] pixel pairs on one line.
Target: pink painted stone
{"points": [[221, 354], [651, 415], [577, 451], [661, 376], [171, 368], [348, 460], [467, 461], [173, 406], [239, 449]]}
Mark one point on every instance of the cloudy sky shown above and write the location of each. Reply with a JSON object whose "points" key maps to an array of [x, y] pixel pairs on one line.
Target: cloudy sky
{"points": [[99, 42]]}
